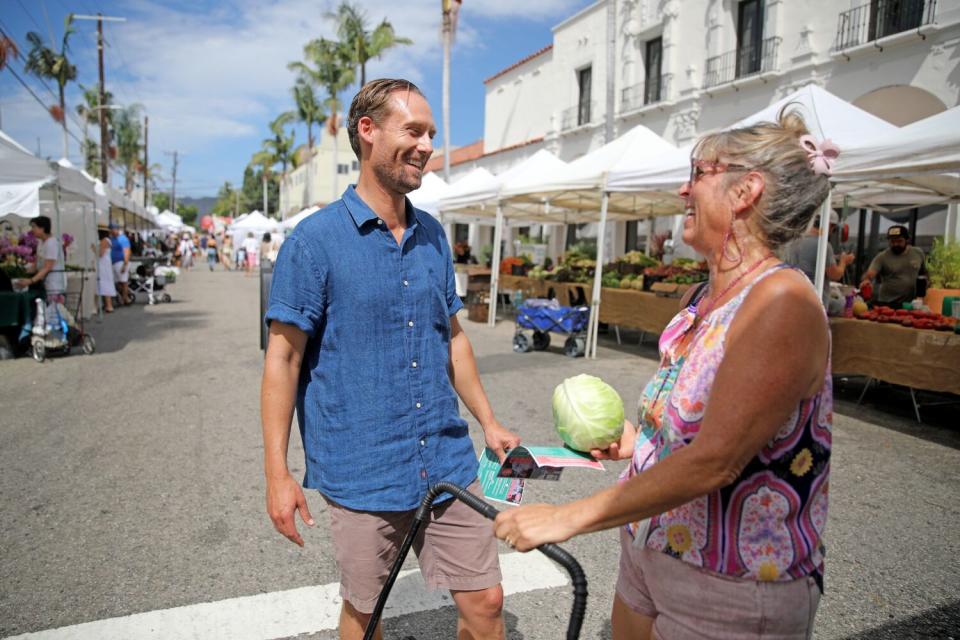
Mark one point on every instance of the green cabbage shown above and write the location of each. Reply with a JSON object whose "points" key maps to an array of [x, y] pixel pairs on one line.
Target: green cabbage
{"points": [[587, 413]]}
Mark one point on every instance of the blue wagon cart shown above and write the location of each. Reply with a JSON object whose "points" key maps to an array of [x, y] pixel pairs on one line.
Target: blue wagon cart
{"points": [[543, 317]]}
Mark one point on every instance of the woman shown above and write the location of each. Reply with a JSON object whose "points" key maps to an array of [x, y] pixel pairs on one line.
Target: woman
{"points": [[105, 287], [211, 251], [724, 503], [250, 248], [226, 252], [266, 247]]}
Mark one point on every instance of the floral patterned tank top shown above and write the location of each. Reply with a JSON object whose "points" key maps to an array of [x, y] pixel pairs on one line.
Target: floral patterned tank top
{"points": [[768, 524]]}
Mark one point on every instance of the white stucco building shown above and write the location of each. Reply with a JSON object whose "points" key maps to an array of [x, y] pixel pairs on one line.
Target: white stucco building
{"points": [[315, 182], [682, 68]]}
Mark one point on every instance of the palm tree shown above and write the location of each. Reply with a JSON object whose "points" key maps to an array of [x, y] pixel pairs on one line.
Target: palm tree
{"points": [[127, 130], [333, 71], [363, 43], [280, 146], [47, 63], [265, 160], [89, 112], [309, 110]]}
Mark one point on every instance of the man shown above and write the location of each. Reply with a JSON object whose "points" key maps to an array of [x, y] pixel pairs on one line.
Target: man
{"points": [[803, 255], [898, 267], [363, 297], [50, 267], [120, 257]]}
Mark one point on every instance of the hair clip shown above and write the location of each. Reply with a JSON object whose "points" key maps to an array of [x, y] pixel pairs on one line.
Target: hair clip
{"points": [[821, 156]]}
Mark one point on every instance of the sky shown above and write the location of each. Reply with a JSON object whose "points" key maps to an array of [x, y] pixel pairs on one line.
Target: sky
{"points": [[211, 75]]}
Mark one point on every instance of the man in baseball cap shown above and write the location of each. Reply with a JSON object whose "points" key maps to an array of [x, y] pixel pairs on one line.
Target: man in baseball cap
{"points": [[802, 254], [897, 267]]}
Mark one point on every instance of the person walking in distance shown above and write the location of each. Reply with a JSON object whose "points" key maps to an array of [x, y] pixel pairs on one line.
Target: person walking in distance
{"points": [[364, 299]]}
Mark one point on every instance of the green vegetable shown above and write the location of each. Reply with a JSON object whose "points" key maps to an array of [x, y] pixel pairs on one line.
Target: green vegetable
{"points": [[587, 413]]}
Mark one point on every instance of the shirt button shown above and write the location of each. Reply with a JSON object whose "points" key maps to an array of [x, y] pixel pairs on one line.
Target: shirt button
{"points": [[406, 283], [423, 442], [418, 405], [410, 324], [423, 473], [414, 364], [379, 221]]}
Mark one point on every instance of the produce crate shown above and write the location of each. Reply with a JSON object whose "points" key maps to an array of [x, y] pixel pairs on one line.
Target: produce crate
{"points": [[478, 311]]}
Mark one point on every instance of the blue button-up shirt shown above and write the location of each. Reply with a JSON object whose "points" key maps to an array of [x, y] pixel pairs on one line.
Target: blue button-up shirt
{"points": [[379, 417]]}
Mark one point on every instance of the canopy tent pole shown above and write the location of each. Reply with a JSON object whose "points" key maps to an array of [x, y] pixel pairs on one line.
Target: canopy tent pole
{"points": [[952, 233], [495, 267], [594, 321], [824, 214]]}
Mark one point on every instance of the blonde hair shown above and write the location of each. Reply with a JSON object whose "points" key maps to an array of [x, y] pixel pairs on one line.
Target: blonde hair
{"points": [[792, 192]]}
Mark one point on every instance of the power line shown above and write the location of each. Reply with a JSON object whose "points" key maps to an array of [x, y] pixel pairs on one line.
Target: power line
{"points": [[37, 98], [30, 15]]}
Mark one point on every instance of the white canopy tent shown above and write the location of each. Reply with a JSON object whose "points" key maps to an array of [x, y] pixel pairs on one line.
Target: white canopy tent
{"points": [[169, 221], [480, 193], [427, 197], [291, 222], [255, 223]]}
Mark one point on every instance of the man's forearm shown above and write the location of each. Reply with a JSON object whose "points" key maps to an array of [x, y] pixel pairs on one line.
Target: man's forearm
{"points": [[466, 379], [277, 398]]}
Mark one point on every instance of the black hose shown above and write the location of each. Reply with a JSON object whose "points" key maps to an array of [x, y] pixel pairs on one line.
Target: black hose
{"points": [[552, 551]]}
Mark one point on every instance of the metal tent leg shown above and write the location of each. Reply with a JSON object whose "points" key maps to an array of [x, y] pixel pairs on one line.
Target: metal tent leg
{"points": [[916, 407], [864, 392], [616, 329]]}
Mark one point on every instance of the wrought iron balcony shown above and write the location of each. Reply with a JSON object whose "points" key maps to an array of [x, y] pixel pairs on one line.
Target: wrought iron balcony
{"points": [[881, 18], [577, 116], [741, 63], [642, 94]]}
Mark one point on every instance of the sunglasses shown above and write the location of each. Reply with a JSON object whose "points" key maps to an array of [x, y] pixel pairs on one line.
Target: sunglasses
{"points": [[699, 168]]}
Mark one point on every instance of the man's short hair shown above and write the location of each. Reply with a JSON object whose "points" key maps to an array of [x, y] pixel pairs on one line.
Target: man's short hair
{"points": [[373, 101], [43, 222]]}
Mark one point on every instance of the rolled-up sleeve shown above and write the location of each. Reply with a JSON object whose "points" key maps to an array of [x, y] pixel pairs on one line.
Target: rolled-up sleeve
{"points": [[454, 303], [297, 290]]}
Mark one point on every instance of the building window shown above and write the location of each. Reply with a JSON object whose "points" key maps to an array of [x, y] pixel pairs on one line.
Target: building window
{"points": [[355, 165], [343, 169], [461, 233], [893, 16], [584, 77], [749, 37], [652, 62]]}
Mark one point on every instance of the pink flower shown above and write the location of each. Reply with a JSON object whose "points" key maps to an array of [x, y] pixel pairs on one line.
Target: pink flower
{"points": [[67, 240]]}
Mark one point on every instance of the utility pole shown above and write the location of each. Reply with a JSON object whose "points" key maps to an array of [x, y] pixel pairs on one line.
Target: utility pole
{"points": [[146, 160], [104, 138], [173, 194], [447, 33]]}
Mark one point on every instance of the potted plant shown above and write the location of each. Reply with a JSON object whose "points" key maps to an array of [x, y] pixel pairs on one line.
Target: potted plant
{"points": [[943, 269]]}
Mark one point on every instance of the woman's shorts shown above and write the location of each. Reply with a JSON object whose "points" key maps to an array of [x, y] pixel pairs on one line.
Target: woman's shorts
{"points": [[688, 602]]}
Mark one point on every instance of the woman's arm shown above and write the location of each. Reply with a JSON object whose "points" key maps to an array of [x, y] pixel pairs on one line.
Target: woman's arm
{"points": [[765, 373]]}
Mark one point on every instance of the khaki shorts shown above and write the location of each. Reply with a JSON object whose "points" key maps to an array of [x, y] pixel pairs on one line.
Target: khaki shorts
{"points": [[687, 602], [456, 549]]}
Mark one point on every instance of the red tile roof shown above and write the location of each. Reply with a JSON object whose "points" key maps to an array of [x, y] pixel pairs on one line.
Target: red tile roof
{"points": [[519, 63], [466, 153]]}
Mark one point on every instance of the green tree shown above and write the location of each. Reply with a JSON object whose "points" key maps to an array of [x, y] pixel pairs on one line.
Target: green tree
{"points": [[332, 68], [308, 109], [189, 212], [353, 31], [128, 130], [226, 200], [161, 201], [251, 193], [54, 65], [89, 112], [279, 147]]}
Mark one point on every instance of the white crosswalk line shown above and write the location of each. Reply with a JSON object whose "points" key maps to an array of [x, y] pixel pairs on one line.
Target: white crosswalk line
{"points": [[292, 612]]}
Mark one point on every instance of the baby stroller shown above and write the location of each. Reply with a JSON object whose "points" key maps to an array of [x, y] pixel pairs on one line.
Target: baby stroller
{"points": [[146, 279], [58, 329], [545, 316]]}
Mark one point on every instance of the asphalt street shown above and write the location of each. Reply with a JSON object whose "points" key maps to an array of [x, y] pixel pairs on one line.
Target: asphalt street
{"points": [[132, 482]]}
